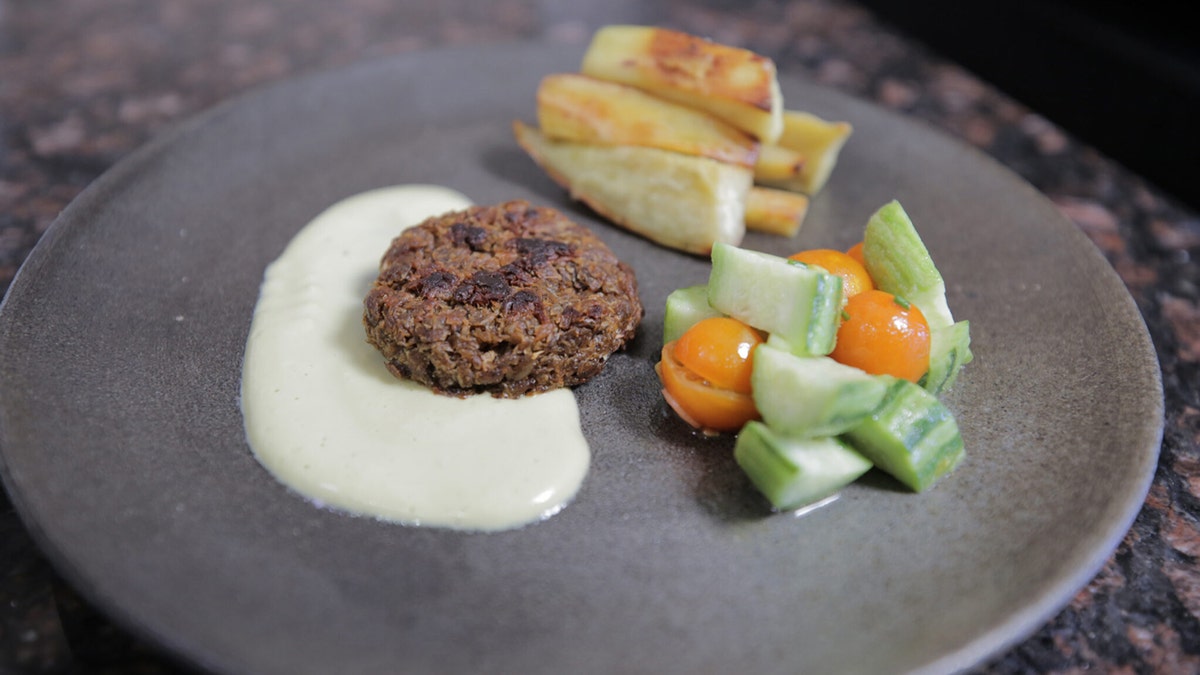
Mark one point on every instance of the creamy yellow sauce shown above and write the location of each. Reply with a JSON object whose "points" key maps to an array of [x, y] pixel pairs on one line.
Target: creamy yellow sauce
{"points": [[328, 420]]}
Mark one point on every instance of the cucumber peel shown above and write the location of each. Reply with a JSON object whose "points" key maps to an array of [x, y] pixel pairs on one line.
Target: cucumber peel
{"points": [[949, 351], [911, 436], [899, 263], [795, 472]]}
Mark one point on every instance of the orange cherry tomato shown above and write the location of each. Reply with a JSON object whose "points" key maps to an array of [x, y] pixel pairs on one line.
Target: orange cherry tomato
{"points": [[697, 401], [719, 350], [856, 252], [854, 276], [883, 335]]}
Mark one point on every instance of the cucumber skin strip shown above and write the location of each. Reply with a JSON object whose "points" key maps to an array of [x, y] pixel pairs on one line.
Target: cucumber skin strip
{"points": [[796, 472], [912, 436], [900, 264]]}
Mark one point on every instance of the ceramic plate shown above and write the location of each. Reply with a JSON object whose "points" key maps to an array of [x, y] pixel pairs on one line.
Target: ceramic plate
{"points": [[120, 354]]}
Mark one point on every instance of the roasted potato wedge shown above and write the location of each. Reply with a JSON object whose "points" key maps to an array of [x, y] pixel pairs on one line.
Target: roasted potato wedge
{"points": [[734, 84], [775, 211], [815, 141], [575, 107], [777, 164], [681, 201]]}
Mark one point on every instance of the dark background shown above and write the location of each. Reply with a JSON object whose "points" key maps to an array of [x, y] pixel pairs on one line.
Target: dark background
{"points": [[1122, 76]]}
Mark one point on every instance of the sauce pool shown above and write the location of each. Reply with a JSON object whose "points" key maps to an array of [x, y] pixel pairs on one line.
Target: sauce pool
{"points": [[327, 419]]}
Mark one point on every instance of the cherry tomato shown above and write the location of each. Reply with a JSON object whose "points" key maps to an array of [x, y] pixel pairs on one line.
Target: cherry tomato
{"points": [[719, 350], [883, 335], [697, 401], [854, 276], [856, 252]]}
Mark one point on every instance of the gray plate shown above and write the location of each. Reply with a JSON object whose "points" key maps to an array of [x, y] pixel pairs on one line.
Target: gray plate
{"points": [[120, 351]]}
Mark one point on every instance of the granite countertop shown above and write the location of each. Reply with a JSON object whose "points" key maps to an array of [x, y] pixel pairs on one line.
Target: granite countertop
{"points": [[82, 84]]}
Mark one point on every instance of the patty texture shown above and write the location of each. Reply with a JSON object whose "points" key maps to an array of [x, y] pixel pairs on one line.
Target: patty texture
{"points": [[509, 299]]}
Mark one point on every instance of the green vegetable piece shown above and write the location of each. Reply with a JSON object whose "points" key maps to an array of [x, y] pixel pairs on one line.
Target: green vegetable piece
{"points": [[685, 308], [912, 436], [798, 302], [779, 343], [795, 472], [949, 351], [811, 396], [899, 263]]}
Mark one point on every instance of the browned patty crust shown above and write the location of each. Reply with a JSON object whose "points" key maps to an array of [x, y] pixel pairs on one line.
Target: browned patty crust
{"points": [[510, 299]]}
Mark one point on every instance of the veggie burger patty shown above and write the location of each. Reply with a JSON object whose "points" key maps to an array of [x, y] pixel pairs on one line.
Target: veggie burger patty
{"points": [[510, 299]]}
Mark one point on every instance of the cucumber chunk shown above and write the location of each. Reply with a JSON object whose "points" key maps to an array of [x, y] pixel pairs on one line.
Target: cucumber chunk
{"points": [[949, 350], [794, 472], [912, 436], [811, 396], [800, 303], [685, 308], [899, 263], [779, 343]]}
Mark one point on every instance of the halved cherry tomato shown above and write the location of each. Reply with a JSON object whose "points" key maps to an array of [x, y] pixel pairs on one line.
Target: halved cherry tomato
{"points": [[856, 252], [854, 276], [720, 350], [697, 401], [882, 334]]}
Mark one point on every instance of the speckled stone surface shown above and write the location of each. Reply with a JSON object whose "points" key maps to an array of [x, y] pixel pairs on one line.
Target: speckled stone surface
{"points": [[83, 83]]}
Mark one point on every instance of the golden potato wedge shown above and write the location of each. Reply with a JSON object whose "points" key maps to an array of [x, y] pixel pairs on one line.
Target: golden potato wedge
{"points": [[575, 107], [681, 201], [777, 164], [735, 84], [818, 141], [775, 211]]}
